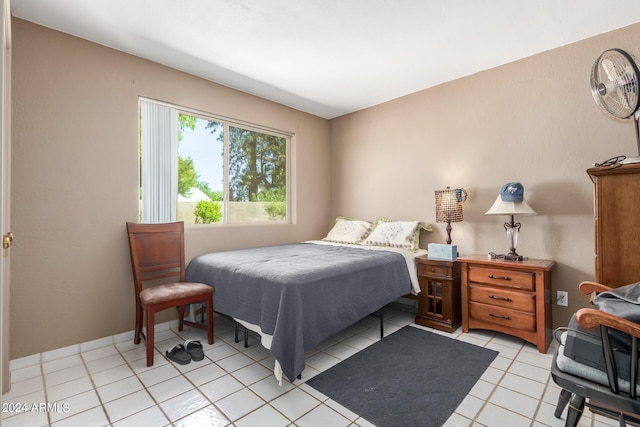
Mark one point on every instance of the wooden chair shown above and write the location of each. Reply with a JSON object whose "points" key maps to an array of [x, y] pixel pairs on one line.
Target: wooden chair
{"points": [[603, 392], [157, 252]]}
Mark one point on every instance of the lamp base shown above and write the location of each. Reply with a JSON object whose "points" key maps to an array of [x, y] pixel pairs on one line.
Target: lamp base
{"points": [[507, 257], [513, 229], [448, 232]]}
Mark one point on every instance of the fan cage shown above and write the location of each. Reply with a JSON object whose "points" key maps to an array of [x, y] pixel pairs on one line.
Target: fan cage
{"points": [[614, 83]]}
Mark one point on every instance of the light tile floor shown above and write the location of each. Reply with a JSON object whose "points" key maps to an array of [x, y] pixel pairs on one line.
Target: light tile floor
{"points": [[107, 383]]}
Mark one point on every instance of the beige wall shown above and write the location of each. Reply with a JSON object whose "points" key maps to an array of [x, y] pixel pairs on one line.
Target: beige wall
{"points": [[532, 121], [75, 171]]}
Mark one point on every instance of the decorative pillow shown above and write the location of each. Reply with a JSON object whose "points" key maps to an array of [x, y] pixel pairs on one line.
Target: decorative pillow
{"points": [[347, 230], [396, 234]]}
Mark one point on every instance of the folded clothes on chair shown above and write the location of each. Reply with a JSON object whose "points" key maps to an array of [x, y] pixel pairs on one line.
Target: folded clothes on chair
{"points": [[623, 302]]}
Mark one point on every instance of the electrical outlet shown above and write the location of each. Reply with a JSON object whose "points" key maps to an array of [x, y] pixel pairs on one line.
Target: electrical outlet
{"points": [[562, 298]]}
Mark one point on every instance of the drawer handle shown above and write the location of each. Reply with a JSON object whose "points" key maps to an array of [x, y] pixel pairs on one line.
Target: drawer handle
{"points": [[499, 316], [491, 276], [500, 298], [433, 270]]}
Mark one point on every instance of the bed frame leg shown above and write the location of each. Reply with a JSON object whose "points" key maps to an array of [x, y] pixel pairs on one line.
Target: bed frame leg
{"points": [[246, 335], [380, 315]]}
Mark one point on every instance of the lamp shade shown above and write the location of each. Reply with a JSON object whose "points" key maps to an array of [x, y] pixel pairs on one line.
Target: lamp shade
{"points": [[449, 205], [501, 207]]}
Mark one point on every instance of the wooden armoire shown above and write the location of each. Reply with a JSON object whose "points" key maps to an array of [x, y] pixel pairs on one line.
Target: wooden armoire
{"points": [[617, 224]]}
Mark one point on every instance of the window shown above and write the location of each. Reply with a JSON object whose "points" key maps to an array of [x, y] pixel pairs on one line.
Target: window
{"points": [[202, 169]]}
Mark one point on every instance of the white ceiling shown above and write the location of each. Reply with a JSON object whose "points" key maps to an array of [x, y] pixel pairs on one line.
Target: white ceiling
{"points": [[331, 57]]}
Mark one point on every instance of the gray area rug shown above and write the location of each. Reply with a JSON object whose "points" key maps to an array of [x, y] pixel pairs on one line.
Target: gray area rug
{"points": [[411, 378]]}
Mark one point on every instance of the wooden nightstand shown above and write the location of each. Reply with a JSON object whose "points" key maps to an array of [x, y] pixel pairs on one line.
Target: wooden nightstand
{"points": [[439, 297], [512, 297]]}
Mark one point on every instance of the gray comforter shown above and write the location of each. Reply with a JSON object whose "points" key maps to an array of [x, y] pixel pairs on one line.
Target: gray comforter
{"points": [[301, 293]]}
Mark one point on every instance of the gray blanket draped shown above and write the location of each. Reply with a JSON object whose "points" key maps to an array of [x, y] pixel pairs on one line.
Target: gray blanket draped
{"points": [[622, 302], [301, 293]]}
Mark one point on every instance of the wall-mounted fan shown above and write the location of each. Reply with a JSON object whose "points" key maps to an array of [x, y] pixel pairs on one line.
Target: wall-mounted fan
{"points": [[615, 87]]}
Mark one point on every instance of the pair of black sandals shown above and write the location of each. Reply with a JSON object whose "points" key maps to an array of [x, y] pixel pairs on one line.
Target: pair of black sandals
{"points": [[183, 354]]}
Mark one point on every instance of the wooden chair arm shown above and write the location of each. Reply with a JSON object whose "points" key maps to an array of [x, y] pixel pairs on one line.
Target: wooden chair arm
{"points": [[590, 287], [590, 318]]}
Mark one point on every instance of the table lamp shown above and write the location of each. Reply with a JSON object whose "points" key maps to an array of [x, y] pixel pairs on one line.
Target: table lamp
{"points": [[449, 207], [511, 202]]}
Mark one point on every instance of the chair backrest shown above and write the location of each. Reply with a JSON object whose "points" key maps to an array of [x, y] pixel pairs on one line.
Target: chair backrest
{"points": [[157, 252]]}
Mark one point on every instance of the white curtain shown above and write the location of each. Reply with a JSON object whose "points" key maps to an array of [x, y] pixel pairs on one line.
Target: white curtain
{"points": [[159, 174]]}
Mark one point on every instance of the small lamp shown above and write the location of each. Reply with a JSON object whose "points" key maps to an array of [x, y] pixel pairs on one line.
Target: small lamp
{"points": [[449, 207], [511, 201]]}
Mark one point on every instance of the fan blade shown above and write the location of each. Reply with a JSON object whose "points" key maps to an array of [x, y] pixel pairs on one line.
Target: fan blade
{"points": [[610, 69], [626, 78], [623, 97]]}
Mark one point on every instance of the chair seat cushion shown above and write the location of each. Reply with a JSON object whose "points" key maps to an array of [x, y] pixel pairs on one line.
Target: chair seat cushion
{"points": [[584, 346], [573, 367], [172, 291]]}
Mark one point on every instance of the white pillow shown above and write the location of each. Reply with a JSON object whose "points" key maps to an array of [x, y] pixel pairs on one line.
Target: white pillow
{"points": [[348, 230], [396, 234]]}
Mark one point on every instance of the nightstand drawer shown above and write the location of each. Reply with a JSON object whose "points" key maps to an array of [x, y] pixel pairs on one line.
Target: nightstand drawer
{"points": [[512, 319], [502, 277], [435, 270], [503, 298]]}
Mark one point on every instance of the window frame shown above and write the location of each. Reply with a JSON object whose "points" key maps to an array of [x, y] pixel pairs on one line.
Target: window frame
{"points": [[252, 127]]}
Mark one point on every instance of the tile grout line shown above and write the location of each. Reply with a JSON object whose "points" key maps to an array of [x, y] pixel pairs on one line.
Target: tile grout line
{"points": [[44, 390], [95, 388], [135, 374], [539, 400], [497, 384]]}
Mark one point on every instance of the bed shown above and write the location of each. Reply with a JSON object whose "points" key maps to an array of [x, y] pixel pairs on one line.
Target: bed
{"points": [[297, 295]]}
